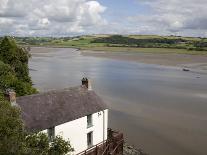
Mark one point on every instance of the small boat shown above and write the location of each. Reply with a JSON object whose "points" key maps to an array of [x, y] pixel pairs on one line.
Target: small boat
{"points": [[186, 70]]}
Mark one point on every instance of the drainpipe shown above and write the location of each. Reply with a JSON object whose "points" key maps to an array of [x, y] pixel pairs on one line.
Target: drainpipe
{"points": [[103, 126]]}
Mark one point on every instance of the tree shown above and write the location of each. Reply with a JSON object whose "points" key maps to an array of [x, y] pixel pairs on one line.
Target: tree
{"points": [[16, 57], [11, 129], [8, 79], [7, 76], [39, 143], [14, 71], [60, 146]]}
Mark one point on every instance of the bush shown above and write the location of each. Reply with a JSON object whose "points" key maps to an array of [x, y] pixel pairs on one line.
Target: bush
{"points": [[39, 144]]}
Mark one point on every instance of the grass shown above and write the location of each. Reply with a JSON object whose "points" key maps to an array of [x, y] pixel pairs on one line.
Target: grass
{"points": [[85, 45]]}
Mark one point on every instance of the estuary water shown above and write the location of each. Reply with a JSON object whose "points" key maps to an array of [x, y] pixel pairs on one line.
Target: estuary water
{"points": [[162, 110]]}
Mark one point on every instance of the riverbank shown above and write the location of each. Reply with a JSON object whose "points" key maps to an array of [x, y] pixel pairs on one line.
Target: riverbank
{"points": [[196, 63], [131, 150]]}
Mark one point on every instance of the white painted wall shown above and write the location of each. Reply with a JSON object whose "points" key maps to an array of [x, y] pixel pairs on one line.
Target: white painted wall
{"points": [[76, 131]]}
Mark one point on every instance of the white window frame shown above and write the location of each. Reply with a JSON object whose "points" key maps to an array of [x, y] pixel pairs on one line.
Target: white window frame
{"points": [[89, 121]]}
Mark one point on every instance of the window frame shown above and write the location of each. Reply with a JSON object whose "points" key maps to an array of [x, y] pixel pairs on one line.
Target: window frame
{"points": [[90, 134], [89, 120]]}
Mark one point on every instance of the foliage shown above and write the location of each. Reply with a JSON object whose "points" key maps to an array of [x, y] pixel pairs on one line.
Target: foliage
{"points": [[60, 146], [118, 39], [200, 44], [16, 57], [196, 44], [14, 72], [8, 79], [37, 144], [7, 76], [11, 129]]}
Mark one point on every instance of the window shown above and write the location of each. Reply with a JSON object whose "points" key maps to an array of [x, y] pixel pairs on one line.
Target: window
{"points": [[90, 139], [89, 121], [51, 133]]}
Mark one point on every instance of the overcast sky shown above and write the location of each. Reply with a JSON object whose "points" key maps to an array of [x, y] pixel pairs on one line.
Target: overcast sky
{"points": [[77, 17]]}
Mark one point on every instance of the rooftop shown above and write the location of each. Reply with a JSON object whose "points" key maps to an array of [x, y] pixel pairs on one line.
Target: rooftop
{"points": [[44, 110]]}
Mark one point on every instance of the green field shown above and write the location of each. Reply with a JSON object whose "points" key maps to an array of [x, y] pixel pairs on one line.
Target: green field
{"points": [[132, 43]]}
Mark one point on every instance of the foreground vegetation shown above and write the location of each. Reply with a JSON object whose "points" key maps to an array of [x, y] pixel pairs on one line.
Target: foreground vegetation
{"points": [[136, 43], [14, 140]]}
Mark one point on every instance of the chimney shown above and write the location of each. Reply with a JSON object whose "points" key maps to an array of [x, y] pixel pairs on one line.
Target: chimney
{"points": [[87, 83], [11, 96]]}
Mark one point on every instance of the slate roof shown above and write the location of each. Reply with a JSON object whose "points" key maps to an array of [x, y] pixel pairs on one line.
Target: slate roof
{"points": [[44, 110]]}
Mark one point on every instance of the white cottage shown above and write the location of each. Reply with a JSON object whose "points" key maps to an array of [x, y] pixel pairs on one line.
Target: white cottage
{"points": [[77, 114]]}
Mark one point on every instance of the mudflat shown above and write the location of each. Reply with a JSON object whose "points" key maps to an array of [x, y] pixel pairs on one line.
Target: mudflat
{"points": [[196, 62]]}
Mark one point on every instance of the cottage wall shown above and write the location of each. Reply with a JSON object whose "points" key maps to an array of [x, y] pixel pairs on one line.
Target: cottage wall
{"points": [[76, 131]]}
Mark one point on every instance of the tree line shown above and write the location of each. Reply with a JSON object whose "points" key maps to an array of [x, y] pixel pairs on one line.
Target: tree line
{"points": [[162, 42]]}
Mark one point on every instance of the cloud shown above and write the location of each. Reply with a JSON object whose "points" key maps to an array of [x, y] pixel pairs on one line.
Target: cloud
{"points": [[12, 8], [75, 17], [186, 17], [50, 17]]}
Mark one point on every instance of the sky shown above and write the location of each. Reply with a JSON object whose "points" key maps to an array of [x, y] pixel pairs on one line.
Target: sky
{"points": [[58, 18]]}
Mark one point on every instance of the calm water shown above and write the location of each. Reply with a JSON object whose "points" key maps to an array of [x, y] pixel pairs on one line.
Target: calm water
{"points": [[162, 110]]}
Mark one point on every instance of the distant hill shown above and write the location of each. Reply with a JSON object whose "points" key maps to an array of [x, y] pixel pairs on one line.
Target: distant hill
{"points": [[119, 41]]}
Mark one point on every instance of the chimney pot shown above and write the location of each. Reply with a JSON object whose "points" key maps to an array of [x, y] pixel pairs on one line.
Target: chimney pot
{"points": [[87, 83]]}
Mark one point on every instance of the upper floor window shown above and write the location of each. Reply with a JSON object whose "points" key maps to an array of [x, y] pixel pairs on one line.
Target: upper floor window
{"points": [[51, 133], [89, 121]]}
